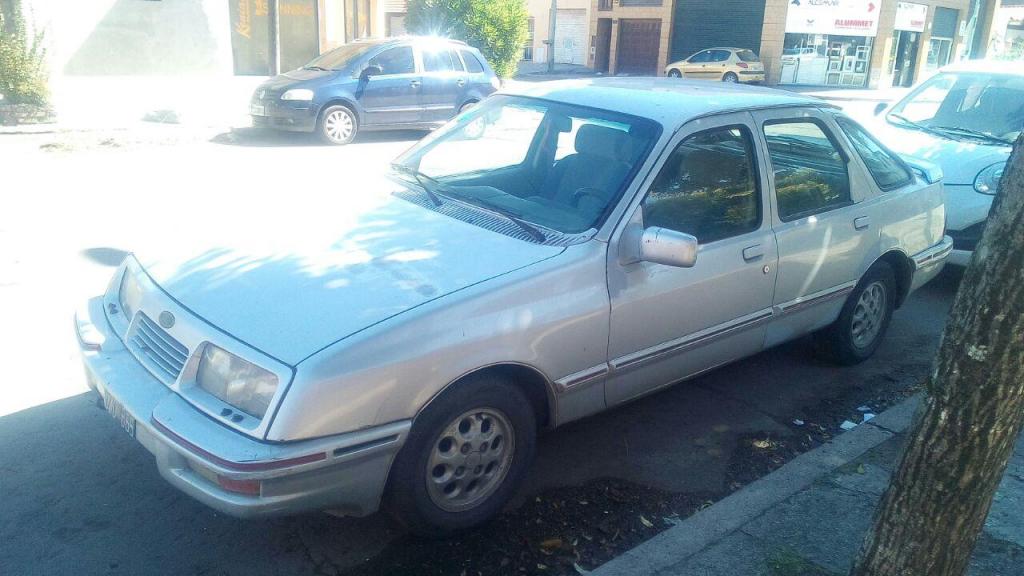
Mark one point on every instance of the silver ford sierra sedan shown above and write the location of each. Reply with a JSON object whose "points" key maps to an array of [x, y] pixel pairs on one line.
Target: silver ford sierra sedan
{"points": [[549, 254]]}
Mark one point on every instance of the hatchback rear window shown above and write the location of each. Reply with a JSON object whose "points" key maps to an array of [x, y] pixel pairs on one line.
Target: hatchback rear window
{"points": [[472, 64], [747, 56]]}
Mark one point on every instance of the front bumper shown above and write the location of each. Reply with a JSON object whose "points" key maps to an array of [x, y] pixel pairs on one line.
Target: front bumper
{"points": [[929, 262], [274, 114], [345, 473]]}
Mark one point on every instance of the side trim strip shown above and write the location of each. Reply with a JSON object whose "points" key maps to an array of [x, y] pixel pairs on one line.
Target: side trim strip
{"points": [[691, 341], [804, 302], [580, 379]]}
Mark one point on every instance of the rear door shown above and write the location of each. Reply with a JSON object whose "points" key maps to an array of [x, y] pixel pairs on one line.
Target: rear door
{"points": [[823, 237], [444, 83], [718, 65], [391, 97]]}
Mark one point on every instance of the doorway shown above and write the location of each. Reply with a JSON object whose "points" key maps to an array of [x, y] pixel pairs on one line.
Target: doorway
{"points": [[602, 44], [904, 65], [637, 50]]}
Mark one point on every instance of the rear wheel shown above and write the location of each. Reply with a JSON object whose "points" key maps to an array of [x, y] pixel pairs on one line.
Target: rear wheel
{"points": [[465, 455], [337, 125], [673, 73], [865, 317], [730, 77]]}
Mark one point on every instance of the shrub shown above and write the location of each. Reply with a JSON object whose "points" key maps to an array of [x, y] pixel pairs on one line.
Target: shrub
{"points": [[495, 27], [22, 59]]}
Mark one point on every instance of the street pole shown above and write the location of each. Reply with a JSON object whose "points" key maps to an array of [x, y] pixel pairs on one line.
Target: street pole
{"points": [[275, 48], [551, 36]]}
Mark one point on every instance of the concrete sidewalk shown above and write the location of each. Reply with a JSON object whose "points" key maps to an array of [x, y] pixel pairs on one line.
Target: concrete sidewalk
{"points": [[810, 517]]}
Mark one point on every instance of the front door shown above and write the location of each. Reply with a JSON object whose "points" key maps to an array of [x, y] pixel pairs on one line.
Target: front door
{"points": [[444, 83], [391, 97], [817, 225], [696, 66], [669, 323]]}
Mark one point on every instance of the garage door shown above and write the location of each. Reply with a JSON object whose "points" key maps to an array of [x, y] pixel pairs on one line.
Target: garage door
{"points": [[638, 47], [571, 37]]}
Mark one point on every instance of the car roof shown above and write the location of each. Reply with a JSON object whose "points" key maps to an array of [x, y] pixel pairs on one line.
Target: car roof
{"points": [[670, 101], [986, 66], [417, 40]]}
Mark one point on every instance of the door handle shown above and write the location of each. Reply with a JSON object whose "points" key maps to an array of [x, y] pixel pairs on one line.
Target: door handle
{"points": [[751, 253], [862, 222], [414, 83], [460, 82]]}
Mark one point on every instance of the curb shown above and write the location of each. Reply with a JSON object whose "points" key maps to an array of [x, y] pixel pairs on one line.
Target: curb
{"points": [[729, 514]]}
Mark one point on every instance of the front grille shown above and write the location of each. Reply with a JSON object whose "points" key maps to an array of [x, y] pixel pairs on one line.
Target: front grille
{"points": [[158, 349]]}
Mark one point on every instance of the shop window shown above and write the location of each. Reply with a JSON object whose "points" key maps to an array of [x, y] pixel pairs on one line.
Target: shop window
{"points": [[810, 171], [528, 47], [707, 187]]}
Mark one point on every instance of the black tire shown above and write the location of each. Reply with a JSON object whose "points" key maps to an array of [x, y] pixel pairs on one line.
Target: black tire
{"points": [[673, 73], [838, 342], [333, 133], [730, 77], [408, 498]]}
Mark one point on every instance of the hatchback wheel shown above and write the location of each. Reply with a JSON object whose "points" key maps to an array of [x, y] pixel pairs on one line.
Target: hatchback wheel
{"points": [[338, 125], [673, 73], [465, 455], [730, 77], [865, 317]]}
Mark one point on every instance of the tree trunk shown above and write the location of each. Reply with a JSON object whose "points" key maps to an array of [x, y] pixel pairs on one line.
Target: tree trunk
{"points": [[931, 515]]}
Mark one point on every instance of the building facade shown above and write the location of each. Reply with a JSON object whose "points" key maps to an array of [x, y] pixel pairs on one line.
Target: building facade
{"points": [[572, 23], [851, 43]]}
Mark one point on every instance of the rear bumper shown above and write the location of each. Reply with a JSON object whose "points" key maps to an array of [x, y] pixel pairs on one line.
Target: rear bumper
{"points": [[928, 263], [752, 76], [344, 473]]}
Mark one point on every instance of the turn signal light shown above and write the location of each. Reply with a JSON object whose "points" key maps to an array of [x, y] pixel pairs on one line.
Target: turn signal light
{"points": [[249, 487]]}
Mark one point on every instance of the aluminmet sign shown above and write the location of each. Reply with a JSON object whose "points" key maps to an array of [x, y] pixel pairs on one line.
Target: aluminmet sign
{"points": [[837, 17]]}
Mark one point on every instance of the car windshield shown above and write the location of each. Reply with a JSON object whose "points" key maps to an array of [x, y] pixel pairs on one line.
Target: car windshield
{"points": [[550, 164], [966, 106], [339, 57], [747, 56]]}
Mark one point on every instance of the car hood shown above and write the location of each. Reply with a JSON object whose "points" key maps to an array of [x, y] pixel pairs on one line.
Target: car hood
{"points": [[961, 160], [295, 281], [297, 77]]}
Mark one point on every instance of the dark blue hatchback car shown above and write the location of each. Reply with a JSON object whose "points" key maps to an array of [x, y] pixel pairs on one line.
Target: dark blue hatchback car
{"points": [[412, 82]]}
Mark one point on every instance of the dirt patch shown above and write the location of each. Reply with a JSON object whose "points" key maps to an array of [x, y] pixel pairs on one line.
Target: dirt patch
{"points": [[559, 532]]}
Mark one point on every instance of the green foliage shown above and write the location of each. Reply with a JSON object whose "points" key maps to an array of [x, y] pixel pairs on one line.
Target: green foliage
{"points": [[23, 78], [495, 27]]}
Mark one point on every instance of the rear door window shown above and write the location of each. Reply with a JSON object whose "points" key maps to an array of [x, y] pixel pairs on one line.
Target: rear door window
{"points": [[472, 64], [885, 167], [719, 55], [438, 61], [809, 168]]}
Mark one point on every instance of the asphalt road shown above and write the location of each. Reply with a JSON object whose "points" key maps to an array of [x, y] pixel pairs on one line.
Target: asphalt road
{"points": [[77, 496]]}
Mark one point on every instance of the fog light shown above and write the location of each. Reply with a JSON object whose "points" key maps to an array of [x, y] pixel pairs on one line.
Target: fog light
{"points": [[250, 487]]}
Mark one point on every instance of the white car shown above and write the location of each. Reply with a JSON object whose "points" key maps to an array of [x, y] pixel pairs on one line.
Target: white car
{"points": [[965, 118], [543, 257]]}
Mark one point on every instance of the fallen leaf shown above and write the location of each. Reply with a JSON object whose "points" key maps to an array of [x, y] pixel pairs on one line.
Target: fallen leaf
{"points": [[542, 566], [579, 569], [860, 468], [551, 543], [646, 522]]}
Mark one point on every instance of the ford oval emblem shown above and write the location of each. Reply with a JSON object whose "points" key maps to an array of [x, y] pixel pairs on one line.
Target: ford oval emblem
{"points": [[166, 320]]}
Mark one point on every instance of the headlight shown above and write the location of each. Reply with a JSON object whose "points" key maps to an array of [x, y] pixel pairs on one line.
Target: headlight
{"points": [[235, 381], [298, 94], [130, 294], [987, 181]]}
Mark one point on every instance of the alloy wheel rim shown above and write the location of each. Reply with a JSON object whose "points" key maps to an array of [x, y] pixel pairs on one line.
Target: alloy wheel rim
{"points": [[730, 78], [338, 126], [469, 459], [868, 315]]}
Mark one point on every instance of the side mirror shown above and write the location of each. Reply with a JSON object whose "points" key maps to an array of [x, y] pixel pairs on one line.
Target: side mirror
{"points": [[371, 70], [668, 247], [880, 107]]}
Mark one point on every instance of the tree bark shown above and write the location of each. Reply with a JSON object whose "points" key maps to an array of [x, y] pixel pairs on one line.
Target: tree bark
{"points": [[933, 511]]}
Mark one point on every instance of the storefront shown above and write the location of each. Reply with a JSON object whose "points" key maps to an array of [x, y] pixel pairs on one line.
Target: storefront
{"points": [[907, 32], [829, 42], [945, 30]]}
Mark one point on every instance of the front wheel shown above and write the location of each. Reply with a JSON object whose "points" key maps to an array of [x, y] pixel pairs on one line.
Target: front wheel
{"points": [[865, 317], [337, 125], [730, 77], [673, 73], [465, 455]]}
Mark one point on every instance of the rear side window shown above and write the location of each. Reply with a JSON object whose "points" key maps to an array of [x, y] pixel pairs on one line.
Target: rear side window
{"points": [[886, 168], [439, 61], [708, 187], [395, 60], [810, 172], [472, 64], [747, 56], [719, 55]]}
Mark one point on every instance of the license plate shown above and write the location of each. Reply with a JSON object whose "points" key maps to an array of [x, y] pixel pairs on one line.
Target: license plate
{"points": [[257, 110], [119, 414]]}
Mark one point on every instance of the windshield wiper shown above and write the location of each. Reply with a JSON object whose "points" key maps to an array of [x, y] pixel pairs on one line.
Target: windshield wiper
{"points": [[908, 122], [525, 226], [973, 134], [428, 183], [317, 68]]}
